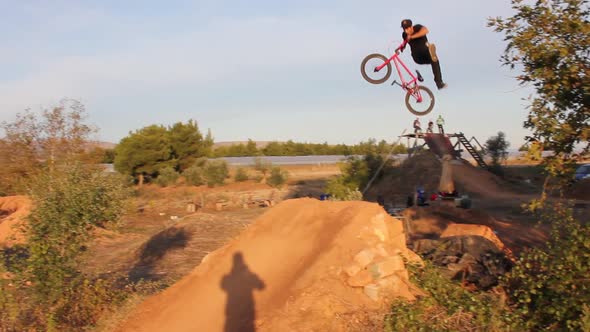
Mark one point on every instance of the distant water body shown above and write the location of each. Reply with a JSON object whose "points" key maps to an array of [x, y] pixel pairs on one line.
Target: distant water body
{"points": [[312, 160], [285, 160]]}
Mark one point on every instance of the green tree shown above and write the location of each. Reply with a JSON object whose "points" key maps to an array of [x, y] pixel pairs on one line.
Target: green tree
{"points": [[186, 143], [497, 148], [105, 156], [251, 148], [208, 144], [31, 142], [237, 150], [535, 151], [64, 133], [220, 151], [144, 152], [273, 149], [550, 42]]}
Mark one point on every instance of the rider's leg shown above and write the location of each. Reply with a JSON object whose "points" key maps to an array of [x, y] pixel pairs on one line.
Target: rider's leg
{"points": [[437, 74], [432, 51]]}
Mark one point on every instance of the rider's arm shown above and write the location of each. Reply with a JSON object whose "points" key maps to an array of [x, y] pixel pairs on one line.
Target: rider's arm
{"points": [[421, 33]]}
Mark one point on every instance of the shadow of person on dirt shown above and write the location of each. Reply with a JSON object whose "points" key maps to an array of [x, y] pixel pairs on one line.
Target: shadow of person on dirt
{"points": [[155, 249], [239, 284]]}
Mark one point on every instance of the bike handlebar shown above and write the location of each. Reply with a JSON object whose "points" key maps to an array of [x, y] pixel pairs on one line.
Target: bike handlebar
{"points": [[401, 47]]}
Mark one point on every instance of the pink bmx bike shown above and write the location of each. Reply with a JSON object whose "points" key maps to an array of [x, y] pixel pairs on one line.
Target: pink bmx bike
{"points": [[376, 69]]}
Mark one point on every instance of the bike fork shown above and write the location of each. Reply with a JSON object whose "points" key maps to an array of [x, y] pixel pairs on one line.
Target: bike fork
{"points": [[416, 94]]}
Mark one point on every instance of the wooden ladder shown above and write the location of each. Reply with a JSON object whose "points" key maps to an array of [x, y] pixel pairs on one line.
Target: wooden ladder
{"points": [[476, 156]]}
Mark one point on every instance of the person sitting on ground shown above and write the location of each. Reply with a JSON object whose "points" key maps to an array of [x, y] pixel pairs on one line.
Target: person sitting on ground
{"points": [[423, 52]]}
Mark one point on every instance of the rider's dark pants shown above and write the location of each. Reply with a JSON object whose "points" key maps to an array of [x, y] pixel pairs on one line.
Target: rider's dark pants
{"points": [[437, 74], [424, 59]]}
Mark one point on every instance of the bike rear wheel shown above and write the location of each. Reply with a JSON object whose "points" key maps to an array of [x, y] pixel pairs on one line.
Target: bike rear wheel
{"points": [[422, 107], [369, 65]]}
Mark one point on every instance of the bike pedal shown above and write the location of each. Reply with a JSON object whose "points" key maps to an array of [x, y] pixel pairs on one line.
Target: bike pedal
{"points": [[420, 78]]}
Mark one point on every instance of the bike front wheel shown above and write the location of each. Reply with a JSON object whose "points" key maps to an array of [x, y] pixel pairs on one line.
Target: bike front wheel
{"points": [[420, 100], [369, 68]]}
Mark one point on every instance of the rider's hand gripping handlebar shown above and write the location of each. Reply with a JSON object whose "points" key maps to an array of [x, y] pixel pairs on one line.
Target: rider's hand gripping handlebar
{"points": [[401, 47]]}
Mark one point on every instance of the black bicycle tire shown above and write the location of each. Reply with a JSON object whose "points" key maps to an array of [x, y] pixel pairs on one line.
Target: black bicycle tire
{"points": [[430, 107], [366, 77]]}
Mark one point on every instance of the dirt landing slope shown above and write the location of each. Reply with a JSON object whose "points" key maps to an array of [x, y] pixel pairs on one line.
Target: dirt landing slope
{"points": [[291, 270], [475, 180], [13, 209]]}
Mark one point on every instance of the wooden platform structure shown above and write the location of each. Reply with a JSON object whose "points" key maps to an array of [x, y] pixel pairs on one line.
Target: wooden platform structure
{"points": [[440, 144]]}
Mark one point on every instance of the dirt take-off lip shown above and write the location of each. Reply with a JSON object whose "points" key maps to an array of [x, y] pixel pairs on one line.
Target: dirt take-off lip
{"points": [[291, 270]]}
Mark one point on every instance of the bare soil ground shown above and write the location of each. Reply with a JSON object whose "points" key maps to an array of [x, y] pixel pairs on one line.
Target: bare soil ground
{"points": [[158, 239]]}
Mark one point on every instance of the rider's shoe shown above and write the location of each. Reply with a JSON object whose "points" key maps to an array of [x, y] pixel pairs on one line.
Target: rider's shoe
{"points": [[441, 86]]}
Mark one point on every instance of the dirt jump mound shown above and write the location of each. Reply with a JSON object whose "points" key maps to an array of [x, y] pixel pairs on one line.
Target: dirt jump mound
{"points": [[305, 265], [13, 209]]}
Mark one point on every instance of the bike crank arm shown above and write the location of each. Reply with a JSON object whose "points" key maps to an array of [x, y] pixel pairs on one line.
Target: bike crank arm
{"points": [[420, 78], [395, 82]]}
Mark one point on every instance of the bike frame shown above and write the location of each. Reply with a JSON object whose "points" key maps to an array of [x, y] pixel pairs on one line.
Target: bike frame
{"points": [[410, 85]]}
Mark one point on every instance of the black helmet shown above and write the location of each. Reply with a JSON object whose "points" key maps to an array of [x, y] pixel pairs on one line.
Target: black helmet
{"points": [[406, 23]]}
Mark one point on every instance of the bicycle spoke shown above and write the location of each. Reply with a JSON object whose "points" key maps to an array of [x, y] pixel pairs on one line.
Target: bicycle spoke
{"points": [[369, 69], [420, 100]]}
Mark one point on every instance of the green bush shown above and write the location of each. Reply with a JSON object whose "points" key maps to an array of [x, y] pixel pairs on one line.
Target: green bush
{"points": [[356, 174], [262, 165], [549, 286], [85, 301], [167, 176], [341, 189], [215, 172], [241, 175], [9, 305], [68, 203], [194, 175], [447, 307], [277, 178]]}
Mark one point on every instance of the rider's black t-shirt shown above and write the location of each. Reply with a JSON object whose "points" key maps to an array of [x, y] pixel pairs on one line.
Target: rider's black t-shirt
{"points": [[420, 52]]}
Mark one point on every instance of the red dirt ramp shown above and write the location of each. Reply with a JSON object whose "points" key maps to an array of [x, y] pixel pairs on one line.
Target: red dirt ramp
{"points": [[293, 269]]}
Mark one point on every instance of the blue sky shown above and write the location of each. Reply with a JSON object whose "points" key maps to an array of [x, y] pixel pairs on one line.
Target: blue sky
{"points": [[259, 69]]}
